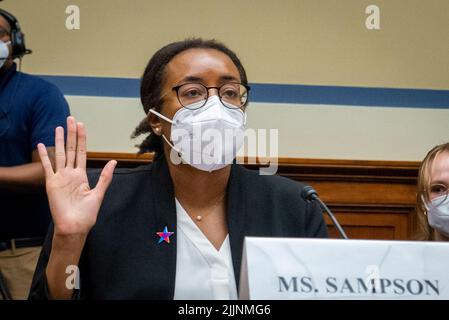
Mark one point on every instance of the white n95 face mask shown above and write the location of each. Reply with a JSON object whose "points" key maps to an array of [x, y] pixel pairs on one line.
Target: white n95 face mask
{"points": [[4, 52], [438, 215], [207, 138]]}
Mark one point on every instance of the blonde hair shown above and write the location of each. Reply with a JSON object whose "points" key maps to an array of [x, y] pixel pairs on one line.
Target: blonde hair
{"points": [[423, 230]]}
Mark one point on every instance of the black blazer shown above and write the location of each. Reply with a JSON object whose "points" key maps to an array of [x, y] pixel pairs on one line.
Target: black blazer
{"points": [[122, 258]]}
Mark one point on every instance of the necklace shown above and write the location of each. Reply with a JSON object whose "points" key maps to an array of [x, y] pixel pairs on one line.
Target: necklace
{"points": [[199, 218]]}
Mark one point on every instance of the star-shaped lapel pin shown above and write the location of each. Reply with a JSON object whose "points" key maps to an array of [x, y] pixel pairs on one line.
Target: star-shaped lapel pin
{"points": [[164, 235]]}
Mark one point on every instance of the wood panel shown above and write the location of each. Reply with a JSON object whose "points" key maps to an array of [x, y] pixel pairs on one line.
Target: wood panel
{"points": [[371, 199]]}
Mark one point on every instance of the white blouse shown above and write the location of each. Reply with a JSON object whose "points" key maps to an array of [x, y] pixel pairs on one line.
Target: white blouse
{"points": [[202, 272]]}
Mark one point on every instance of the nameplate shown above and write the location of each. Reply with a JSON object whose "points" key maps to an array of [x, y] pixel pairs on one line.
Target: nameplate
{"points": [[286, 268]]}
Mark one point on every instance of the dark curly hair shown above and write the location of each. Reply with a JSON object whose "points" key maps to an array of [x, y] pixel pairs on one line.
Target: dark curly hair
{"points": [[154, 77]]}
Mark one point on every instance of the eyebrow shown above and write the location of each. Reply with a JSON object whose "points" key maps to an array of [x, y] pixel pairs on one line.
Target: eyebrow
{"points": [[228, 78], [438, 182], [222, 79], [190, 79]]}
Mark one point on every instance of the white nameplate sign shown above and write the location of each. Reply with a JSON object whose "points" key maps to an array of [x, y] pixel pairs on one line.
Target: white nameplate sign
{"points": [[287, 268]]}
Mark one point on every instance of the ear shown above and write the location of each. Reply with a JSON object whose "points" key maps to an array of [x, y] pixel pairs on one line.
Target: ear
{"points": [[155, 123]]}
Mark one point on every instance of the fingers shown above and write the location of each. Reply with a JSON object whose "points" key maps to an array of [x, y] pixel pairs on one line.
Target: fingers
{"points": [[71, 142], [75, 153], [81, 146], [59, 148], [105, 178], [45, 160]]}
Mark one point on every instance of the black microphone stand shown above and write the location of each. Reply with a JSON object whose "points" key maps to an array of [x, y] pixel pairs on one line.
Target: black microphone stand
{"points": [[309, 194]]}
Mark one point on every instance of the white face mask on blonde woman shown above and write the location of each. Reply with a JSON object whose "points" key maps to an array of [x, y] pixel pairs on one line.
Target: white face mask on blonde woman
{"points": [[438, 214]]}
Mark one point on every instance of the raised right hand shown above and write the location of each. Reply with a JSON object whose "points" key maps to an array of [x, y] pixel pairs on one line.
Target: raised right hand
{"points": [[74, 206]]}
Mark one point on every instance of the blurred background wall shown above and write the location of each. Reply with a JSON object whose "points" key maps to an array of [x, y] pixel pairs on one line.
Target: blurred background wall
{"points": [[333, 88]]}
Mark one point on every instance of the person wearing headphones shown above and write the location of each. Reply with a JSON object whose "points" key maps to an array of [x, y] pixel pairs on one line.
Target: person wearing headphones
{"points": [[30, 109]]}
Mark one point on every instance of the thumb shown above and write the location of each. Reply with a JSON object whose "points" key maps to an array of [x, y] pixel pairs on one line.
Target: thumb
{"points": [[105, 178]]}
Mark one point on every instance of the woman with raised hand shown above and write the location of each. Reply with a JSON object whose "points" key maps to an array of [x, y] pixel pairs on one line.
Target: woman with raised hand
{"points": [[173, 229]]}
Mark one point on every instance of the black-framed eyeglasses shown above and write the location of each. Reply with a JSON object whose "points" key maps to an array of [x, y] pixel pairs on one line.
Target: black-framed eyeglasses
{"points": [[193, 96]]}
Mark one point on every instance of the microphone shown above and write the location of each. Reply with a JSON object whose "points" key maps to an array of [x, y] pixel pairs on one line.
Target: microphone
{"points": [[309, 194]]}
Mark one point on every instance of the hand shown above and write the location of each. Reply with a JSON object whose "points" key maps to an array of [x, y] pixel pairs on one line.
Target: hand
{"points": [[74, 206]]}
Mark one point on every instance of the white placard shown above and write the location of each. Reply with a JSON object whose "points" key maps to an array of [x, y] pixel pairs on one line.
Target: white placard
{"points": [[287, 268]]}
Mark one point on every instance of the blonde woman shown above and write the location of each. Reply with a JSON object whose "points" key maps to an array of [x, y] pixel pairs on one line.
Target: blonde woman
{"points": [[433, 201]]}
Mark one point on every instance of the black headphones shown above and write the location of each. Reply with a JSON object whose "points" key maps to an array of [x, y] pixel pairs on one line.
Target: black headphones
{"points": [[17, 37]]}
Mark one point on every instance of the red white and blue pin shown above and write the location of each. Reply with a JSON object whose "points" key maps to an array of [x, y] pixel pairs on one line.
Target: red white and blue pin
{"points": [[164, 235]]}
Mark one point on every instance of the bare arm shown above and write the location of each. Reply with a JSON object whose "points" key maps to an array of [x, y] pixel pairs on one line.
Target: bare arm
{"points": [[74, 206], [25, 178], [65, 251]]}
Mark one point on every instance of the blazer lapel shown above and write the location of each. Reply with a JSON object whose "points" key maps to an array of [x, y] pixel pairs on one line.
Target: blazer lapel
{"points": [[165, 216], [236, 202]]}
